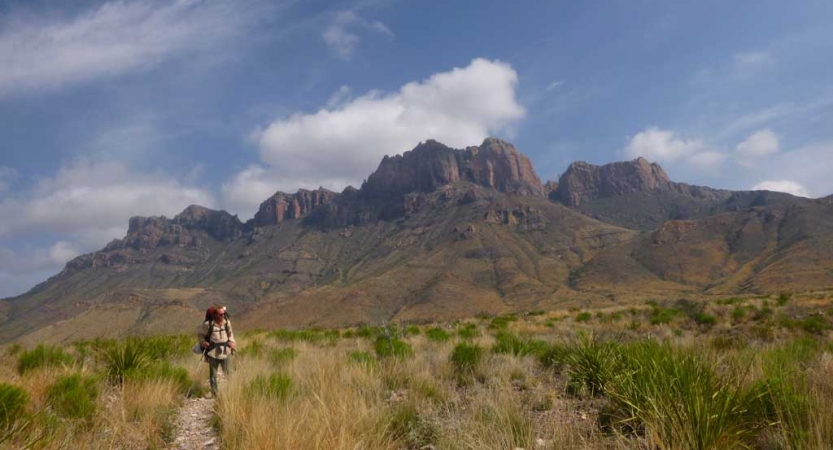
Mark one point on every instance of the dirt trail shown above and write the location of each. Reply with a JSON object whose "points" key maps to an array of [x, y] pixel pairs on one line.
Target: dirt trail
{"points": [[193, 426]]}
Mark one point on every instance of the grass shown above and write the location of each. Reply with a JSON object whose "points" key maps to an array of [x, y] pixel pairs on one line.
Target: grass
{"points": [[501, 382], [43, 356]]}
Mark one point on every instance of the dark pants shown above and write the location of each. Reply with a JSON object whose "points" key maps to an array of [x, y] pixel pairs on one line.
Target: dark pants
{"points": [[213, 364]]}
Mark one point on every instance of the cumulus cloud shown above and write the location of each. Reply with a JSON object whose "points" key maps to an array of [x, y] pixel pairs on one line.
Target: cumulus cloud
{"points": [[790, 187], [82, 207], [50, 51], [340, 146], [341, 37], [656, 144], [760, 144], [86, 197]]}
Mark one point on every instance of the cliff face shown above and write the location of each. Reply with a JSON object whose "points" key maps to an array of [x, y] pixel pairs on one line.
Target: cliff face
{"points": [[495, 164], [583, 182], [282, 206]]}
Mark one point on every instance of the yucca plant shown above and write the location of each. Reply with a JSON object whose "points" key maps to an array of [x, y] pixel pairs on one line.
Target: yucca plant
{"points": [[123, 357], [591, 364]]}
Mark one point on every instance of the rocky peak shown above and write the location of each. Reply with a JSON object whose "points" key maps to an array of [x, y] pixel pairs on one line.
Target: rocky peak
{"points": [[218, 224], [430, 165], [583, 182], [282, 206]]}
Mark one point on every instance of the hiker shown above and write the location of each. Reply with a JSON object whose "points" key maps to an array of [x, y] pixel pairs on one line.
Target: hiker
{"points": [[217, 341]]}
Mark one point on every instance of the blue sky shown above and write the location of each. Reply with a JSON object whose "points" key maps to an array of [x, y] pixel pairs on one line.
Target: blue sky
{"points": [[114, 109]]}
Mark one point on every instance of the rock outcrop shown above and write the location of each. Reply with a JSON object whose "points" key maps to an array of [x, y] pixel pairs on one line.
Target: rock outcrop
{"points": [[495, 164], [282, 206], [583, 182]]}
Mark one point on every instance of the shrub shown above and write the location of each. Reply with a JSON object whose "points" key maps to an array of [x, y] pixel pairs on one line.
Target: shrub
{"points": [[506, 342], [387, 347], [468, 331], [502, 322], [74, 397], [466, 357], [661, 316], [412, 330], [165, 371], [681, 399], [783, 298], [815, 324], [282, 356], [312, 335], [277, 386], [591, 365], [42, 356], [738, 314], [360, 357], [554, 356], [123, 357], [13, 402], [407, 426], [702, 318], [583, 317], [437, 334]]}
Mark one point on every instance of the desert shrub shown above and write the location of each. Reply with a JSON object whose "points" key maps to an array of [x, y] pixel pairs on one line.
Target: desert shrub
{"points": [[123, 357], [74, 396], [281, 356], [253, 349], [437, 334], [466, 357], [553, 356], [42, 356], [406, 425], [468, 331], [815, 324], [276, 386], [412, 330], [502, 322], [13, 402], [361, 357], [783, 298], [591, 364], [163, 370], [311, 335], [661, 316], [680, 400], [392, 347], [583, 317], [506, 342], [705, 319], [738, 314]]}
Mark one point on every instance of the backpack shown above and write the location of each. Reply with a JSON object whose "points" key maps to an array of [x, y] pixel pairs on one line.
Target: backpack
{"points": [[209, 317]]}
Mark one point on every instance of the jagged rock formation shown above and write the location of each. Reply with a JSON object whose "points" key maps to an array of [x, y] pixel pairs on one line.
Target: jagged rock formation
{"points": [[282, 206], [437, 233]]}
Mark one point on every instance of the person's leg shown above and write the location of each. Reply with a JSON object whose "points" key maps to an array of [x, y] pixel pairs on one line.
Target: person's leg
{"points": [[227, 367], [212, 373]]}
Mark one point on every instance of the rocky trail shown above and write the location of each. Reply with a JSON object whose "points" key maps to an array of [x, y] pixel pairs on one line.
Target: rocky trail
{"points": [[193, 426]]}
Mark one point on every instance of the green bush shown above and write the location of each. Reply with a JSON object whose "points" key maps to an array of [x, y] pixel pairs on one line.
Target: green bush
{"points": [[361, 357], [502, 322], [815, 325], [277, 386], [661, 316], [74, 397], [584, 317], [506, 342], [554, 357], [280, 357], [437, 334], [468, 331], [13, 402], [702, 318], [680, 400], [407, 426], [392, 347], [466, 357], [42, 356], [123, 357], [738, 314], [412, 330], [591, 364], [165, 371]]}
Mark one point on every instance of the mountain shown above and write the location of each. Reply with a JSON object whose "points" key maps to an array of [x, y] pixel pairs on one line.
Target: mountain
{"points": [[436, 233], [639, 195]]}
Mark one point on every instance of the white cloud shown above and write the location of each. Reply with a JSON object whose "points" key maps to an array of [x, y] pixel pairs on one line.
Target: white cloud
{"points": [[339, 98], [48, 52], [790, 187], [336, 147], [94, 198], [339, 37], [8, 176], [760, 144], [666, 146]]}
